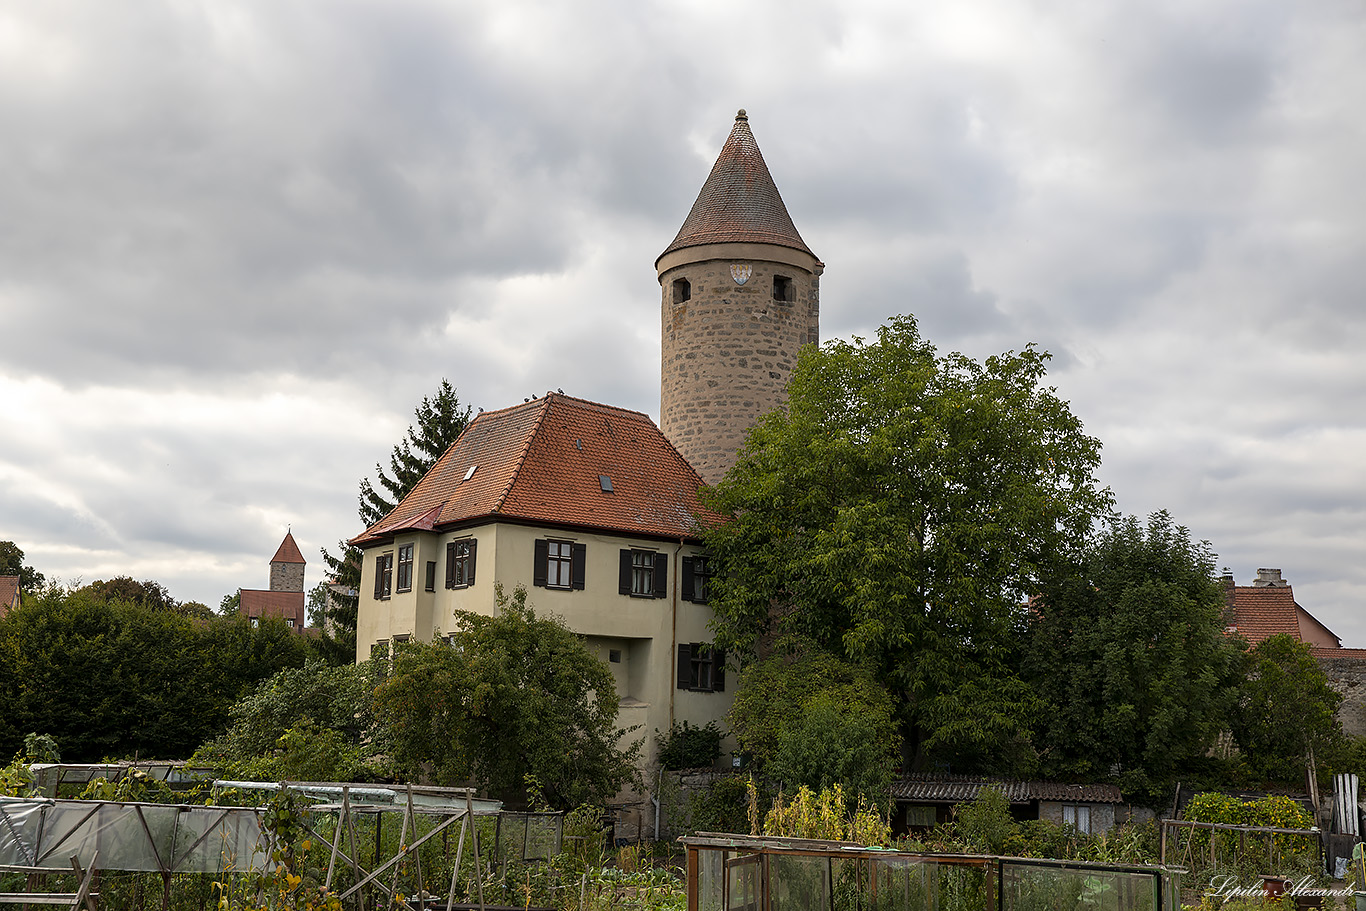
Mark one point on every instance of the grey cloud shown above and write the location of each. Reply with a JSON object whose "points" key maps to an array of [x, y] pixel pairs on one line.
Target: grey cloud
{"points": [[357, 196], [1205, 74]]}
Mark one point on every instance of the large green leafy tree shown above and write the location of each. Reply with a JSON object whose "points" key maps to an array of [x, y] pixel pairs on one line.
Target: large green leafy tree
{"points": [[899, 512], [440, 419], [808, 718], [12, 564], [107, 677], [513, 695], [1129, 658], [147, 593], [1286, 712], [314, 721]]}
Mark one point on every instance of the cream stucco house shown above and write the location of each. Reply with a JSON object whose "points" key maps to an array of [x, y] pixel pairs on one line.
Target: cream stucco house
{"points": [[591, 509]]}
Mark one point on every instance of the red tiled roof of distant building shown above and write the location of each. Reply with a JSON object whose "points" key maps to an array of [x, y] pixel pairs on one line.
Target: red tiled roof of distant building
{"points": [[739, 203], [1324, 652], [543, 461], [288, 552], [9, 593], [259, 603], [1258, 613]]}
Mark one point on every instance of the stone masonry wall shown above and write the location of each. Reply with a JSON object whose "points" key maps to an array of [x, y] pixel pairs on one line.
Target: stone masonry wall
{"points": [[286, 577], [1348, 677], [727, 355]]}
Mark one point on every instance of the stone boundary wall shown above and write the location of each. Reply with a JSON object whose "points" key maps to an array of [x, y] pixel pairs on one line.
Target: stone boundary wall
{"points": [[681, 788], [1348, 677]]}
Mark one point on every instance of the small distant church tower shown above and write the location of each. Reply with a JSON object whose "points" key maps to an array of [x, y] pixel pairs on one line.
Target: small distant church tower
{"points": [[285, 597], [287, 567], [741, 296]]}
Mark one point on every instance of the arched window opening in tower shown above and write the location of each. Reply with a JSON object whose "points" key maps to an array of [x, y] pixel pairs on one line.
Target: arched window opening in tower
{"points": [[682, 290], [782, 289]]}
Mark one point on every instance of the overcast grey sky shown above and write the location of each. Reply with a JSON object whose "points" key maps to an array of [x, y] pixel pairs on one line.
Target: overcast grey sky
{"points": [[241, 240]]}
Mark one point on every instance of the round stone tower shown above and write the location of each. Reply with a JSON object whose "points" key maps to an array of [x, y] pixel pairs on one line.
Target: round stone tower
{"points": [[741, 295]]}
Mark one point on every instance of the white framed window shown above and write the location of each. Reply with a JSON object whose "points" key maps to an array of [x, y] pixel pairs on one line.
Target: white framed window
{"points": [[644, 574], [460, 560], [404, 583], [701, 667], [384, 575], [559, 564], [697, 575], [1078, 816]]}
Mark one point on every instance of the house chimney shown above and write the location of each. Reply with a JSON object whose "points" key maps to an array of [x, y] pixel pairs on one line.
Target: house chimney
{"points": [[1269, 578]]}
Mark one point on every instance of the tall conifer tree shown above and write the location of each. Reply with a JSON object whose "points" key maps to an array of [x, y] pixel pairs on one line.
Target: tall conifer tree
{"points": [[440, 419]]}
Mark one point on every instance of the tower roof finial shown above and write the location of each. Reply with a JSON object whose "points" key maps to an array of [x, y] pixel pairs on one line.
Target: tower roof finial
{"points": [[739, 203]]}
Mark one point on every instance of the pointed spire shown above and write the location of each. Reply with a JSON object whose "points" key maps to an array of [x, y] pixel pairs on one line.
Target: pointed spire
{"points": [[289, 551], [739, 203]]}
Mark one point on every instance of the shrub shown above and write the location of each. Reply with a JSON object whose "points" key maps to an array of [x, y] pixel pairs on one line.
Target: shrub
{"points": [[690, 747], [826, 815], [985, 824], [721, 807]]}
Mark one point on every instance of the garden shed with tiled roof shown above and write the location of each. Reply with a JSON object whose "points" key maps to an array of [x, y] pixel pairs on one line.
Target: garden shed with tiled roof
{"points": [[927, 800]]}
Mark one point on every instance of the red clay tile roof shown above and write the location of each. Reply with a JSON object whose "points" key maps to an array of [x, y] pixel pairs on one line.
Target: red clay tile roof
{"points": [[1320, 651], [1259, 613], [258, 603], [541, 462], [957, 789], [288, 552], [739, 203], [9, 593]]}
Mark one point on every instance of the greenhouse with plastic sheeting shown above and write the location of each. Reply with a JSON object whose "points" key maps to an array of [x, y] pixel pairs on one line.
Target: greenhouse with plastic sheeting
{"points": [[746, 873], [44, 834]]}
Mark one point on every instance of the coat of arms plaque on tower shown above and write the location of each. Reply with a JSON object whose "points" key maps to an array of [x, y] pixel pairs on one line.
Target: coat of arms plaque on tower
{"points": [[741, 272]]}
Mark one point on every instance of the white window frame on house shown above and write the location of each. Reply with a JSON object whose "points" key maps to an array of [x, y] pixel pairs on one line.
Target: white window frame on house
{"points": [[644, 574], [559, 567], [559, 564], [403, 581], [461, 557], [925, 817], [384, 574], [698, 571], [701, 668], [1078, 816]]}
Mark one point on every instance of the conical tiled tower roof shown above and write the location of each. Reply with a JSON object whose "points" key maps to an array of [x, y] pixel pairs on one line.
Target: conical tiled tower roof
{"points": [[739, 203], [288, 552]]}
